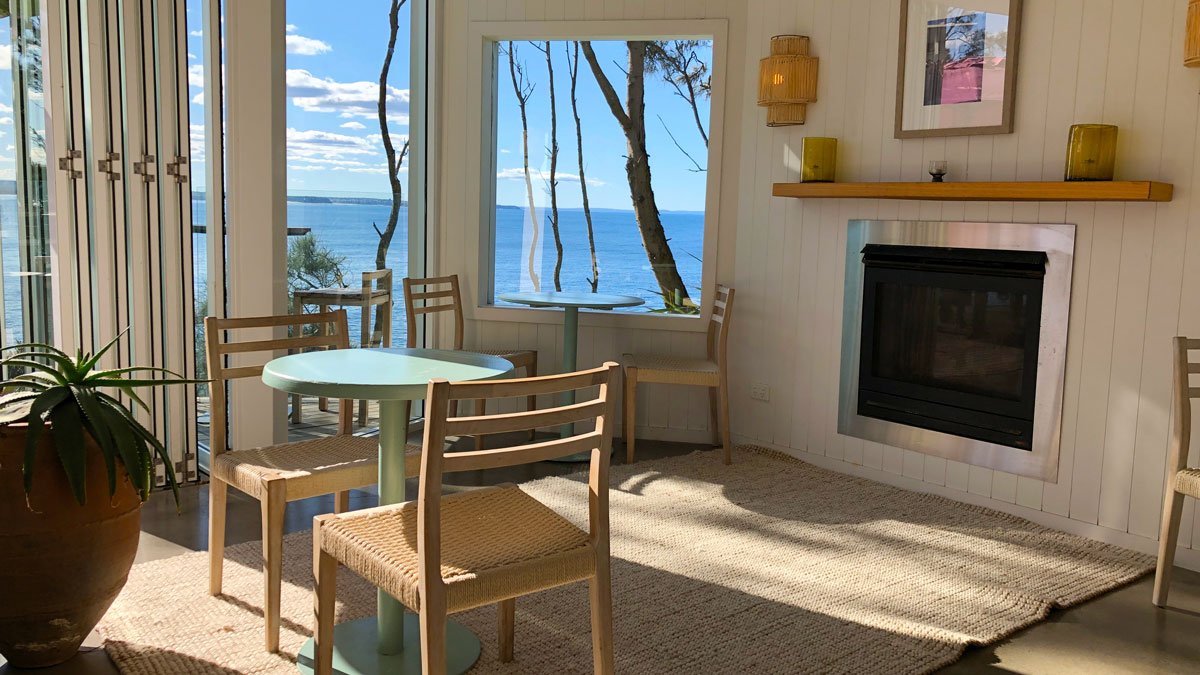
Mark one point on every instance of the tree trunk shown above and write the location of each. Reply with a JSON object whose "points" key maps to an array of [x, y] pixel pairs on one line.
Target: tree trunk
{"points": [[594, 281], [394, 161], [637, 170], [522, 94], [558, 247]]}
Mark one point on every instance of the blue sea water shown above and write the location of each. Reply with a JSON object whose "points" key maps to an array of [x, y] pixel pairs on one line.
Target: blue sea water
{"points": [[346, 229]]}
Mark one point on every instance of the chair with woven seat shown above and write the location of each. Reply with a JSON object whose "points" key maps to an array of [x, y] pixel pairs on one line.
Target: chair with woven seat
{"points": [[711, 372], [376, 291], [1181, 480], [487, 546], [277, 474], [441, 294]]}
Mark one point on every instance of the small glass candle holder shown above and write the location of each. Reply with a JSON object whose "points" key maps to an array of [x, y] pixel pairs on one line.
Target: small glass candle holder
{"points": [[937, 169], [1091, 152], [818, 159]]}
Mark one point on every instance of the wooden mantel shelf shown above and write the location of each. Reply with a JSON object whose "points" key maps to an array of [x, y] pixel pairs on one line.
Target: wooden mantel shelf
{"points": [[1015, 191]]}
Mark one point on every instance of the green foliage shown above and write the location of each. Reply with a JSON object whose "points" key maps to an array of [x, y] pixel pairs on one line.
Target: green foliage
{"points": [[310, 264], [69, 393]]}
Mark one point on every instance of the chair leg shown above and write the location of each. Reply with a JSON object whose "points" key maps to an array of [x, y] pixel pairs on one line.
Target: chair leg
{"points": [[630, 404], [324, 594], [1168, 537], [726, 441], [272, 530], [365, 341], [341, 501], [217, 494], [714, 410], [433, 640], [480, 409], [531, 370], [600, 590], [508, 623]]}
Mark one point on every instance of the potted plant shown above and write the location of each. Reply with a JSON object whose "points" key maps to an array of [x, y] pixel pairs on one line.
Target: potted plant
{"points": [[75, 467]]}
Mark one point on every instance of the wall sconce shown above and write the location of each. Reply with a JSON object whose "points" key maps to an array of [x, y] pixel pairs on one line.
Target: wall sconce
{"points": [[1191, 38], [787, 80]]}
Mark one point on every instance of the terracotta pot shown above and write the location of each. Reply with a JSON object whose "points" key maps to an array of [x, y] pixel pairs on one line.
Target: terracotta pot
{"points": [[61, 564]]}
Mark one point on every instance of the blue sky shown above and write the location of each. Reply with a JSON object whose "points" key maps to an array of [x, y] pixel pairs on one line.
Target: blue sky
{"points": [[334, 142]]}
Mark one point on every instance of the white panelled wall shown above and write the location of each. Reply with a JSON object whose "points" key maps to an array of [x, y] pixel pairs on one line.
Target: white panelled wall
{"points": [[1110, 61]]}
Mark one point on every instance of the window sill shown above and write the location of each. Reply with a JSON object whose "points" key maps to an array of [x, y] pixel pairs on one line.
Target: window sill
{"points": [[594, 318]]}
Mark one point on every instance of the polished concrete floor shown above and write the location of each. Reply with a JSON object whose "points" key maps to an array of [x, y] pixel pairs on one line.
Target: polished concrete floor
{"points": [[1120, 632]]}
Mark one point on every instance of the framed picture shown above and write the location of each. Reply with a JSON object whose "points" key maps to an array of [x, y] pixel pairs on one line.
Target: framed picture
{"points": [[957, 67]]}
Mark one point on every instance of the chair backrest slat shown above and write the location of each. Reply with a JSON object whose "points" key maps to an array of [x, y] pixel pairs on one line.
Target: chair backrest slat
{"points": [[516, 388], [1184, 392], [523, 421], [422, 291], [476, 460], [719, 324], [218, 345]]}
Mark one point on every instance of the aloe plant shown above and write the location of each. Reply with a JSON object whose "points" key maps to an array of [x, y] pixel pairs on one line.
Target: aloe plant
{"points": [[69, 393]]}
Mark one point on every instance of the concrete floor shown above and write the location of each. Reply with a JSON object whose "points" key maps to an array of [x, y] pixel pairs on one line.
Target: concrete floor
{"points": [[1120, 632]]}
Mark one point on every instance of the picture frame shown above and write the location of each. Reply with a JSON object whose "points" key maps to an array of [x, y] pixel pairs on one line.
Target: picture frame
{"points": [[957, 68]]}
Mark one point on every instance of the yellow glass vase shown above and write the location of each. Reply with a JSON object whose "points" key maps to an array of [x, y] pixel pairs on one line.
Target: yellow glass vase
{"points": [[818, 159], [1091, 152]]}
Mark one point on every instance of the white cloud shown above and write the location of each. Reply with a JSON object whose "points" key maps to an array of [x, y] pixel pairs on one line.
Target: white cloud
{"points": [[505, 151], [291, 28], [350, 99], [298, 44], [196, 33], [5, 120], [517, 173], [192, 57], [198, 99], [354, 125], [318, 145], [5, 108], [196, 137], [5, 57], [195, 74]]}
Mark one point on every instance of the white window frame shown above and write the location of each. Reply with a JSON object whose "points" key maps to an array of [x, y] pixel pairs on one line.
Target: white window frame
{"points": [[480, 188]]}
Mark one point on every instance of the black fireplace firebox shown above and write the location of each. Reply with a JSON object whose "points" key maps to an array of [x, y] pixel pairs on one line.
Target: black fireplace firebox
{"points": [[950, 340]]}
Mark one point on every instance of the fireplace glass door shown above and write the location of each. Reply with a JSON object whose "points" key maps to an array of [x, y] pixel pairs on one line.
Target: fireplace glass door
{"points": [[950, 340]]}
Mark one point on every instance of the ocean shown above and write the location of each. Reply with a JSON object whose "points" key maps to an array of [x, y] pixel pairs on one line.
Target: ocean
{"points": [[346, 229]]}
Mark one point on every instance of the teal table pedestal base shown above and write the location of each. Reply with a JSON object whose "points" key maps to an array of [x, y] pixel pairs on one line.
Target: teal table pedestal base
{"points": [[355, 650]]}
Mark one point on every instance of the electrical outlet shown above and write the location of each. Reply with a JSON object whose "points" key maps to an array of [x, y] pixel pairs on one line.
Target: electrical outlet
{"points": [[760, 391]]}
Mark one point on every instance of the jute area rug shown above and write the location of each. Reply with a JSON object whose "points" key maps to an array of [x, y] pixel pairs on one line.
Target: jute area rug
{"points": [[770, 565]]}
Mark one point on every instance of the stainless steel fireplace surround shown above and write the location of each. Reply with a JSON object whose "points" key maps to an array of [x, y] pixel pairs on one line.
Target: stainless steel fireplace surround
{"points": [[965, 299]]}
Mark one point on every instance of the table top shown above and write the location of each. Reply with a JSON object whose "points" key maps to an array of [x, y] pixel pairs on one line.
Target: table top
{"points": [[571, 299], [387, 374]]}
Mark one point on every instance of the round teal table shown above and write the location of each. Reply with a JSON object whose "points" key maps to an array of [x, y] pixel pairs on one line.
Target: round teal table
{"points": [[571, 302], [392, 376]]}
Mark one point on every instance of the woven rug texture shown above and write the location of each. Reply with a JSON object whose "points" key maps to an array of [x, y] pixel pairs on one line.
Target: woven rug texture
{"points": [[770, 565]]}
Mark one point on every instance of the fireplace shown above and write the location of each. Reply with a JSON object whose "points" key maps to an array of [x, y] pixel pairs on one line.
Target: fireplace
{"points": [[954, 340]]}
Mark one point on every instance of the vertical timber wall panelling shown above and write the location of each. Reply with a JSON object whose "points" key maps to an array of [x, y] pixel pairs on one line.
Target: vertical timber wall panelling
{"points": [[678, 413], [1110, 61]]}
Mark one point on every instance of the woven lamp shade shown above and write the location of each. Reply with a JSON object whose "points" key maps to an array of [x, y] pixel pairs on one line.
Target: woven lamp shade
{"points": [[1191, 44], [787, 80]]}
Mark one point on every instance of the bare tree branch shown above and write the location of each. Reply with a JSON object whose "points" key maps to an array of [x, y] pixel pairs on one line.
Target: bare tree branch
{"points": [[698, 169], [573, 65], [523, 90]]}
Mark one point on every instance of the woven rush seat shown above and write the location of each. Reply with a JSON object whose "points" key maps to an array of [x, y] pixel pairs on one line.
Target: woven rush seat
{"points": [[503, 352], [306, 464], [497, 543], [1188, 482], [674, 369]]}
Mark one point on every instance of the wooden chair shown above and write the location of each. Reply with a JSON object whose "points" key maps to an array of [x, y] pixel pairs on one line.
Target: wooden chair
{"points": [[277, 474], [711, 372], [487, 546], [376, 290], [1181, 480], [434, 300]]}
